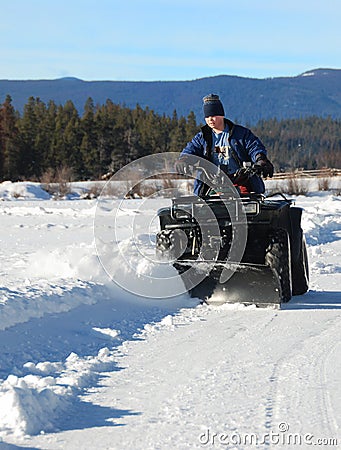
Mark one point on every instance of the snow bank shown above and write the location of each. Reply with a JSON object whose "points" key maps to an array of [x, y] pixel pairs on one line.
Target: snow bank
{"points": [[18, 306], [27, 190], [91, 189], [32, 404], [320, 220], [22, 190]]}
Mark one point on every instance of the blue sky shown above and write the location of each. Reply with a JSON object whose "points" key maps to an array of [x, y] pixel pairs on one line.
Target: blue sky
{"points": [[148, 40]]}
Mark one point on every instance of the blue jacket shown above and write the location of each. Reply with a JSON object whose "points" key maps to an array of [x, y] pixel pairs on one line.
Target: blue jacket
{"points": [[244, 144]]}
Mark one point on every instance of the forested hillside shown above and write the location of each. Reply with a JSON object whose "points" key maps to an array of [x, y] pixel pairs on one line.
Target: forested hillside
{"points": [[47, 136], [316, 92]]}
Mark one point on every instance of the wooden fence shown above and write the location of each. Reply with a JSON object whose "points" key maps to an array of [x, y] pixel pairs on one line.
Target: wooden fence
{"points": [[297, 173], [300, 173]]}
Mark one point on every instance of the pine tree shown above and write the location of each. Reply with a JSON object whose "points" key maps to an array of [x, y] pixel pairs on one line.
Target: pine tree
{"points": [[9, 144], [178, 136], [28, 129], [49, 126], [105, 125], [191, 127], [89, 146], [65, 148]]}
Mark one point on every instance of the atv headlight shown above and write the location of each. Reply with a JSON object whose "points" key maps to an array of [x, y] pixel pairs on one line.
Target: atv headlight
{"points": [[251, 208]]}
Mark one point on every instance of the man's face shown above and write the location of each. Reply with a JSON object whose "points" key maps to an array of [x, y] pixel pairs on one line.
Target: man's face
{"points": [[216, 122]]}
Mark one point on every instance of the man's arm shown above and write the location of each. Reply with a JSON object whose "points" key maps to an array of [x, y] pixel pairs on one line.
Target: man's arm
{"points": [[193, 148], [258, 154]]}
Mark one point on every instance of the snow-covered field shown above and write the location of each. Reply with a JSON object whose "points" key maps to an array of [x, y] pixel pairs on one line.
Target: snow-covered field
{"points": [[86, 363]]}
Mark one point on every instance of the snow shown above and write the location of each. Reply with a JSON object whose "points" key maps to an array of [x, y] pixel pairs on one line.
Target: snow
{"points": [[87, 362], [308, 74], [27, 190]]}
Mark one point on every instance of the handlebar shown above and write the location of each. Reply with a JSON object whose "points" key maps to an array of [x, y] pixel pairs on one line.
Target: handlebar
{"points": [[217, 177]]}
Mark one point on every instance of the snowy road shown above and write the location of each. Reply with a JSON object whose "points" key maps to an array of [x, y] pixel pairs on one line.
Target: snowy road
{"points": [[85, 364], [224, 372]]}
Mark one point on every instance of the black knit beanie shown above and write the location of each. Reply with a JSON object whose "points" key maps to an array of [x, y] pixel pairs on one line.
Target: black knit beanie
{"points": [[213, 106]]}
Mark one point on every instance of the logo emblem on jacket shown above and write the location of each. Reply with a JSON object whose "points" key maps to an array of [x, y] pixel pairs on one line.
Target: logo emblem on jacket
{"points": [[222, 151]]}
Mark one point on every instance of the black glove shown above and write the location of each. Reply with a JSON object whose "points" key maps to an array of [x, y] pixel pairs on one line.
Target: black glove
{"points": [[241, 176], [181, 166], [266, 167]]}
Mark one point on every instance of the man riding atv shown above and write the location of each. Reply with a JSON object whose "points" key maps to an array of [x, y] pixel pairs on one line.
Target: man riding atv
{"points": [[232, 245], [228, 146]]}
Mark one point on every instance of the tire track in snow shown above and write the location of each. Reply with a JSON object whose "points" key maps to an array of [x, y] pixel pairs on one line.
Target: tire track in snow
{"points": [[299, 386], [176, 403]]}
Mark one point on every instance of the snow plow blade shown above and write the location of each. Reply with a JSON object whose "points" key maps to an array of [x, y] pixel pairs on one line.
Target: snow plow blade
{"points": [[250, 284]]}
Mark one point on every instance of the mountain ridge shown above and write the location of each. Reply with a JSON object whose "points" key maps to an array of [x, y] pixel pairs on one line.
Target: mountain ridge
{"points": [[247, 100]]}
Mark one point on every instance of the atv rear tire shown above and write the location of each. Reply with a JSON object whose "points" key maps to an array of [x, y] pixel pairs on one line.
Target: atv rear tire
{"points": [[277, 257], [300, 271]]}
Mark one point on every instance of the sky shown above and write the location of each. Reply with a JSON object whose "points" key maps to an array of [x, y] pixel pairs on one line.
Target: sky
{"points": [[150, 40]]}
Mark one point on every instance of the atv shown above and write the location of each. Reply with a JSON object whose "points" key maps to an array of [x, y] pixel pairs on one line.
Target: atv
{"points": [[230, 247]]}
